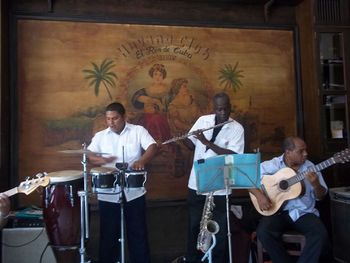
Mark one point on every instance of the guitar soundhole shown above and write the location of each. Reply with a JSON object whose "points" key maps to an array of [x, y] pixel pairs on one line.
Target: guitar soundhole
{"points": [[284, 185]]}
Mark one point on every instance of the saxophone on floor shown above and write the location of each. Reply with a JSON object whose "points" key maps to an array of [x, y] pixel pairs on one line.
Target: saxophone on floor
{"points": [[208, 227]]}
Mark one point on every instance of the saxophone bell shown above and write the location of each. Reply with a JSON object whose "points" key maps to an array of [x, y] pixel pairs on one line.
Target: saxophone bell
{"points": [[212, 227]]}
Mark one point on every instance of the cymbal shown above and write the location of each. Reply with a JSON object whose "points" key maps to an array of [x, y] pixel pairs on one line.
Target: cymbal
{"points": [[80, 151]]}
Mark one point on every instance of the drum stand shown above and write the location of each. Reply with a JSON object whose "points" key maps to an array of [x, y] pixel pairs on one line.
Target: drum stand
{"points": [[84, 218], [122, 167]]}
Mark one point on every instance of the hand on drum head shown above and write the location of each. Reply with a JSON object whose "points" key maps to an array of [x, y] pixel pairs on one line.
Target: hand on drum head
{"points": [[100, 160], [138, 165], [109, 159]]}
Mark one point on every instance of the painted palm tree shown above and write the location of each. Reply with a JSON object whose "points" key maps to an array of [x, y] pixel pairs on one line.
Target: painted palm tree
{"points": [[230, 77], [101, 75]]}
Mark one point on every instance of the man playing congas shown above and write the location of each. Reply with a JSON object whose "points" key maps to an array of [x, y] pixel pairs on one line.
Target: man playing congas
{"points": [[123, 142]]}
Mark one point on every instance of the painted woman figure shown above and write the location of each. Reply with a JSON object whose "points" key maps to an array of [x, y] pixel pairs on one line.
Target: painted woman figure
{"points": [[182, 113], [182, 109], [154, 101]]}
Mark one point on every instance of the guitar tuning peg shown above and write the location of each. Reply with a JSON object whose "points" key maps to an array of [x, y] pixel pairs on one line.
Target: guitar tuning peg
{"points": [[39, 175], [27, 178]]}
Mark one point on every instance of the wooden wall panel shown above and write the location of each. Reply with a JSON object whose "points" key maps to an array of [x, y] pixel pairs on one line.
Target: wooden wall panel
{"points": [[171, 12]]}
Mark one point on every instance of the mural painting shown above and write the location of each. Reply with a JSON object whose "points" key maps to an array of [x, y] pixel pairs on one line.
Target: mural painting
{"points": [[164, 75]]}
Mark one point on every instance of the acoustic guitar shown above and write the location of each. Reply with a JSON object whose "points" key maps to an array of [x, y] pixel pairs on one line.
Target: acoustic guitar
{"points": [[286, 184], [27, 187]]}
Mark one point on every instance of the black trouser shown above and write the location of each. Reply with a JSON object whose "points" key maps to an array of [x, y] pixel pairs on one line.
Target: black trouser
{"points": [[195, 205], [136, 231], [271, 228]]}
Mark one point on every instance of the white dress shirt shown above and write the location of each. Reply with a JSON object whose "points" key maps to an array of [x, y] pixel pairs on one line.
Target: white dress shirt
{"points": [[127, 147], [231, 136]]}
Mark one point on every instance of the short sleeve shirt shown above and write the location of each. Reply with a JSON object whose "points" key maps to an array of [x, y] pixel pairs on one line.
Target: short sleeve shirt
{"points": [[127, 147], [231, 136]]}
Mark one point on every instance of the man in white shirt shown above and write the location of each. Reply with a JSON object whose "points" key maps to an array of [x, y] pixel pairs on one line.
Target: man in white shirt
{"points": [[122, 142], [226, 139]]}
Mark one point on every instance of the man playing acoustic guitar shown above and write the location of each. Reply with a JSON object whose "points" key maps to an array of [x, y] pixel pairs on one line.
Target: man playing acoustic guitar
{"points": [[297, 214]]}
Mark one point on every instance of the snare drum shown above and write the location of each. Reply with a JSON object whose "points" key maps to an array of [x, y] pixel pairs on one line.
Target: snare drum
{"points": [[61, 211], [104, 179], [135, 179]]}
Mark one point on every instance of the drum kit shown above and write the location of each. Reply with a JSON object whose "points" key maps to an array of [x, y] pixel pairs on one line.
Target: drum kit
{"points": [[63, 213]]}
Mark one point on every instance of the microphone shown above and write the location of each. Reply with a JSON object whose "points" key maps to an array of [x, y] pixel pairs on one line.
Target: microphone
{"points": [[121, 166]]}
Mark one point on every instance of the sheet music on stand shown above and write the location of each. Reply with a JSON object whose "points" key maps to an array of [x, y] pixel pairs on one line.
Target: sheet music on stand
{"points": [[242, 171]]}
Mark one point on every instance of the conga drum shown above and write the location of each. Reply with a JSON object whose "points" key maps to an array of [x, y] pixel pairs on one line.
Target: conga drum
{"points": [[61, 211]]}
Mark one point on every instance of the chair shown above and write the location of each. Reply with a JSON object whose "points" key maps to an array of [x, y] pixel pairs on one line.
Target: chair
{"points": [[295, 243]]}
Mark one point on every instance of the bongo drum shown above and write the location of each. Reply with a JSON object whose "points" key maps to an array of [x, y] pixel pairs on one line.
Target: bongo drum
{"points": [[135, 179], [61, 210], [104, 179]]}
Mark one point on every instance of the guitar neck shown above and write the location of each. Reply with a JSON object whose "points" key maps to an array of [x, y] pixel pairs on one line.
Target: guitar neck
{"points": [[316, 168], [11, 192]]}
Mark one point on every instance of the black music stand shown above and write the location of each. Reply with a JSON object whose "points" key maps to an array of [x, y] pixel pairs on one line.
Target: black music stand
{"points": [[226, 172]]}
